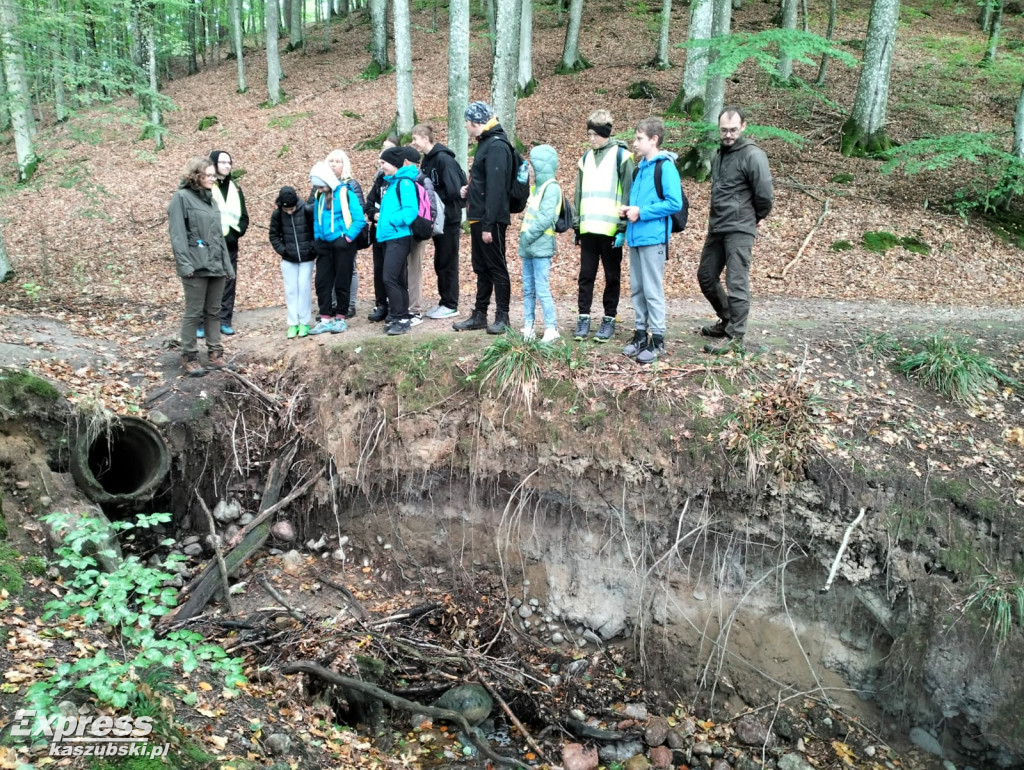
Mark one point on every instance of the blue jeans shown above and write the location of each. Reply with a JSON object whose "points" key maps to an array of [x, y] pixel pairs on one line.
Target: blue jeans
{"points": [[536, 287]]}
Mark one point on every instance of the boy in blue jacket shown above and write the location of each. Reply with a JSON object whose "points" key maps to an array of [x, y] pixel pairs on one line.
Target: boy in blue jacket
{"points": [[647, 234]]}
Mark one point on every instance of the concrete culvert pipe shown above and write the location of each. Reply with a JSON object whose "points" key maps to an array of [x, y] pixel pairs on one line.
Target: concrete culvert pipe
{"points": [[120, 462]]}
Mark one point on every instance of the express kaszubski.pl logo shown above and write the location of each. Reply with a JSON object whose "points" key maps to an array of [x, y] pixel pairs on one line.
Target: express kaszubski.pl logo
{"points": [[90, 736]]}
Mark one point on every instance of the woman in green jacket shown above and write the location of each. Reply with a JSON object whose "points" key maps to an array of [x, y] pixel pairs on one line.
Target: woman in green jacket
{"points": [[203, 263]]}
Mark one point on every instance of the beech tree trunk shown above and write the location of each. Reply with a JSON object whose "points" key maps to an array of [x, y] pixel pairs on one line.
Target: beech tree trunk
{"points": [[864, 132], [190, 41], [378, 37], [995, 24], [714, 95], [57, 70], [828, 36], [273, 54], [17, 91], [572, 61], [458, 78], [784, 69], [690, 100], [5, 113], [506, 65], [661, 59], [1018, 127], [236, 36], [155, 118], [403, 67], [6, 271], [296, 35], [525, 83]]}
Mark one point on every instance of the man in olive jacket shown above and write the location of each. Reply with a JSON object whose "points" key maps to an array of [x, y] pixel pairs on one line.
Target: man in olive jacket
{"points": [[487, 210], [741, 196]]}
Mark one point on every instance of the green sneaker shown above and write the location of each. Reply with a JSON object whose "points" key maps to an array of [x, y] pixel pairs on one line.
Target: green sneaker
{"points": [[293, 332], [303, 330]]}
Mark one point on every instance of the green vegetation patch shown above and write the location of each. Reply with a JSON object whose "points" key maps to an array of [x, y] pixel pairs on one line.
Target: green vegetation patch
{"points": [[350, 114], [842, 178], [880, 241], [841, 246], [286, 121], [18, 388], [642, 89], [207, 122], [948, 364]]}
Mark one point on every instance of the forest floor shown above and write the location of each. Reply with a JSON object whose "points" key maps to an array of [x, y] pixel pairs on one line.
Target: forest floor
{"points": [[94, 305]]}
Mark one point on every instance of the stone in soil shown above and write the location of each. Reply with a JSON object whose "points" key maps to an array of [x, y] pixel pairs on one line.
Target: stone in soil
{"points": [[575, 757], [661, 756], [283, 530], [620, 751], [279, 743], [793, 762], [751, 731], [657, 731]]}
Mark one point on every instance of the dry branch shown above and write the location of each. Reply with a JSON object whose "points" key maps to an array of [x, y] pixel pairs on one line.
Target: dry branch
{"points": [[219, 554], [799, 252]]}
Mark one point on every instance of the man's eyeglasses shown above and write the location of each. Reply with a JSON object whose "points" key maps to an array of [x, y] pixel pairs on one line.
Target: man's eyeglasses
{"points": [[729, 131]]}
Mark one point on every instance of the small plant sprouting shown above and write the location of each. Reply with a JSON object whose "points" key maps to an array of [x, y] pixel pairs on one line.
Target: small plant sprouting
{"points": [[32, 290], [947, 364]]}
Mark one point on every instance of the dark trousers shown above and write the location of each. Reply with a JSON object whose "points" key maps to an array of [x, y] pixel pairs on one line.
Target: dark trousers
{"points": [[396, 265], [202, 298], [598, 250], [380, 294], [730, 252], [334, 262], [491, 269], [446, 264], [227, 302]]}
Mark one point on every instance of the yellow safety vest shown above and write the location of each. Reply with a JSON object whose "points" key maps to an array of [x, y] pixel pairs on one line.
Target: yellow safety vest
{"points": [[601, 193], [533, 207], [230, 209]]}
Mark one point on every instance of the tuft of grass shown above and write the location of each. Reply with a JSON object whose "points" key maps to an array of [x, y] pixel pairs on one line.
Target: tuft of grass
{"points": [[879, 345], [879, 241], [947, 364], [841, 246], [999, 601], [286, 121], [514, 365], [207, 122]]}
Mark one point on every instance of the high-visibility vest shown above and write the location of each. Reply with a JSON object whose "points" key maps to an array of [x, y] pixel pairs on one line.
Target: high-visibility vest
{"points": [[601, 193], [533, 208], [230, 209]]}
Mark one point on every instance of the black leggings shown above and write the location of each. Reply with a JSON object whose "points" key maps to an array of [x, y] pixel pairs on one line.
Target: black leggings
{"points": [[334, 263]]}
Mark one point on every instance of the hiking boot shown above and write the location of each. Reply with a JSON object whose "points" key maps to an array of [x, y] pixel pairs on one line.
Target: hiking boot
{"points": [[725, 345], [550, 335], [379, 314], [607, 330], [398, 327], [351, 311], [192, 367], [476, 321], [501, 323], [303, 330], [582, 328], [216, 360], [323, 326], [293, 332], [654, 350], [715, 330], [638, 343]]}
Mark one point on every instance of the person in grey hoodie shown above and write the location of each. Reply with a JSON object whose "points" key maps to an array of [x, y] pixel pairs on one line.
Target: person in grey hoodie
{"points": [[537, 241], [741, 196]]}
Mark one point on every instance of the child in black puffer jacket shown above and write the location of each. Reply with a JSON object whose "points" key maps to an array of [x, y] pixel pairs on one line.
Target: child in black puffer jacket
{"points": [[291, 235]]}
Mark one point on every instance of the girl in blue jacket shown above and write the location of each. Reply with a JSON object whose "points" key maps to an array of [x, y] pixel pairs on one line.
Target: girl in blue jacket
{"points": [[399, 206], [537, 241]]}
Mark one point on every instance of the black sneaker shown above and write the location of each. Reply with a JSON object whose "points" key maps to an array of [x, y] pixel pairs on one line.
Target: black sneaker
{"points": [[715, 330], [398, 327], [638, 343], [476, 320], [607, 330], [582, 327], [379, 314], [653, 351]]}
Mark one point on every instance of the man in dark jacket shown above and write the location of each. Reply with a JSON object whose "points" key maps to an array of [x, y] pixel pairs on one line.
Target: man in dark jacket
{"points": [[234, 222], [439, 165], [741, 196], [487, 210]]}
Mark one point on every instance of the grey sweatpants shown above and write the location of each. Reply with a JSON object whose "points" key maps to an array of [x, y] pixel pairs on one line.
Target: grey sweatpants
{"points": [[647, 287]]}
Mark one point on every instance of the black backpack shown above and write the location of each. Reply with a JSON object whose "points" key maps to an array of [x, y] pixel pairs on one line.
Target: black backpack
{"points": [[518, 192], [566, 212], [679, 218]]}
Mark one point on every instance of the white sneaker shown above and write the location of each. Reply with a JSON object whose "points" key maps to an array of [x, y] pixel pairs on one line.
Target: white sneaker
{"points": [[416, 320], [442, 312], [550, 335], [528, 333]]}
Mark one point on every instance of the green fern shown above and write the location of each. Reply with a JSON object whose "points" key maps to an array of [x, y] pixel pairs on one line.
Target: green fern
{"points": [[765, 49], [942, 152]]}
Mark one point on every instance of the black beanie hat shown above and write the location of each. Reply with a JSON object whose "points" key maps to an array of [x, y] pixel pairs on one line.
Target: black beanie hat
{"points": [[601, 129], [393, 155], [411, 154], [216, 154], [287, 197]]}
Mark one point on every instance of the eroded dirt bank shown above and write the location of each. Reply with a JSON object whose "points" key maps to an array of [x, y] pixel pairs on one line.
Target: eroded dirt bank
{"points": [[643, 512]]}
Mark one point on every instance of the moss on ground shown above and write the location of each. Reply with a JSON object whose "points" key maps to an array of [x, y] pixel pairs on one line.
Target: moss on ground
{"points": [[18, 388]]}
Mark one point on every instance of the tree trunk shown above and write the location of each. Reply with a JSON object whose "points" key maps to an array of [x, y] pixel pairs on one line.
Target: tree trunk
{"points": [[995, 25], [572, 61], [1018, 127], [6, 271], [403, 67], [5, 112], [273, 54], [506, 65], [488, 7], [378, 38], [236, 36], [714, 95], [784, 69], [526, 83], [690, 100], [57, 71], [17, 91], [828, 36], [296, 37], [864, 132], [661, 60], [155, 118], [458, 78], [985, 15]]}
